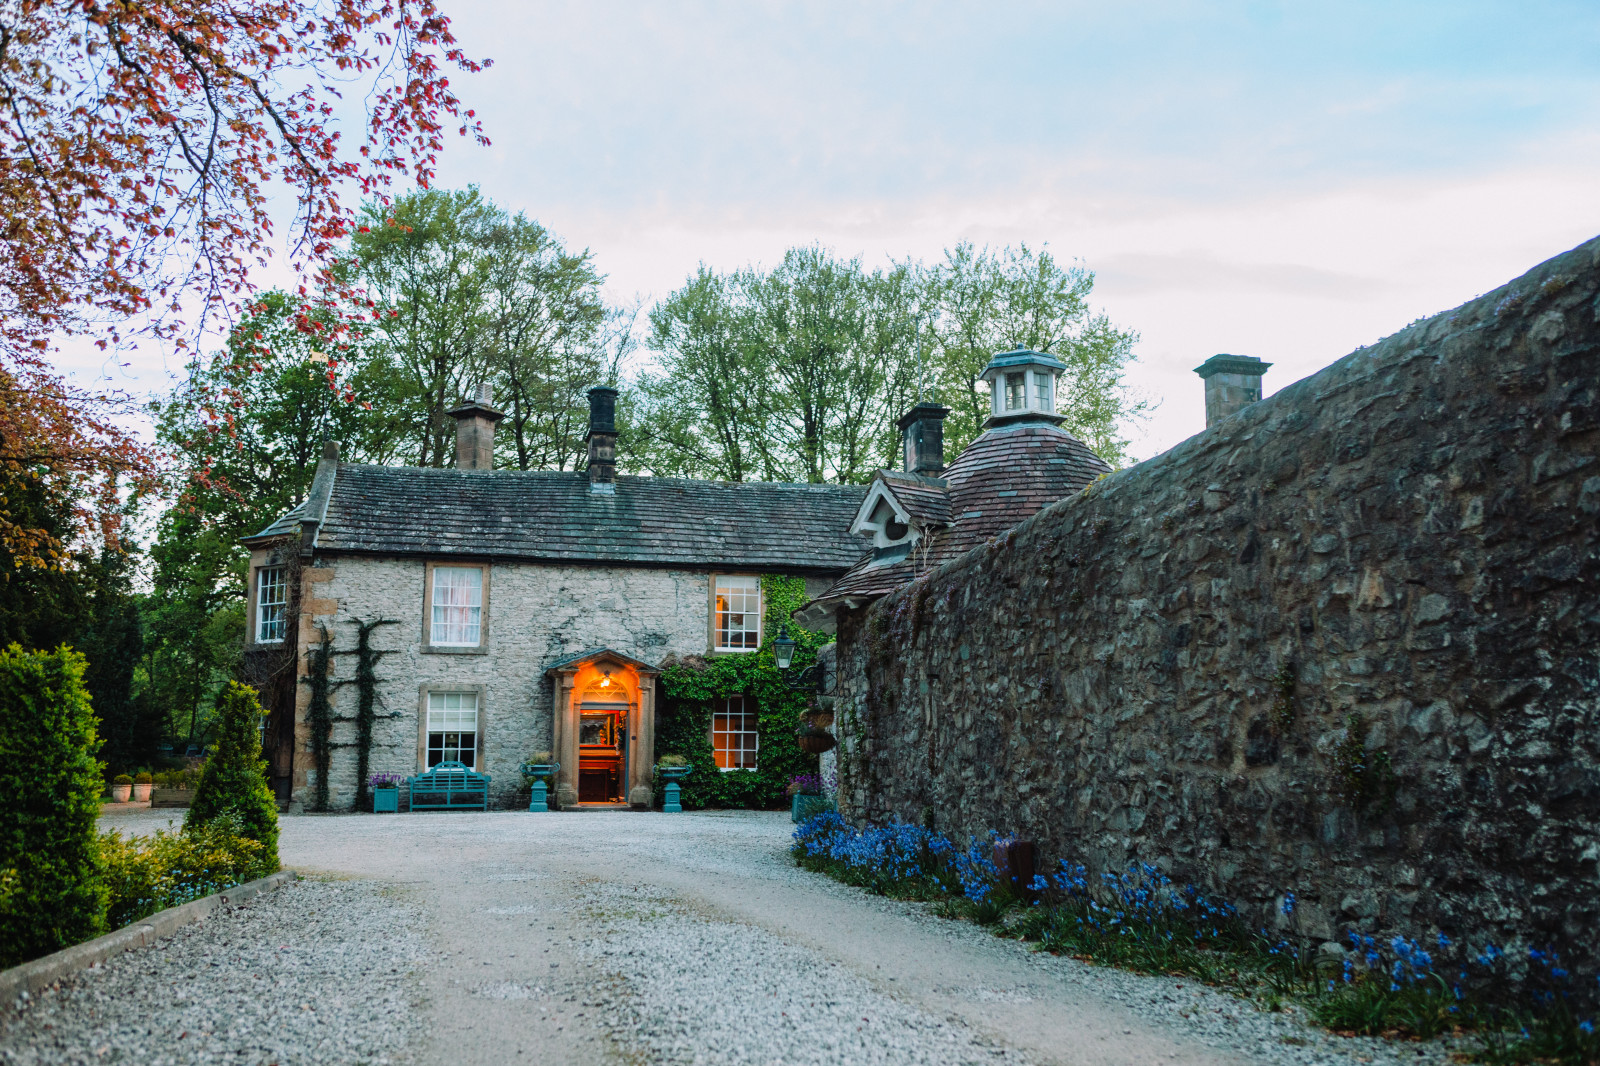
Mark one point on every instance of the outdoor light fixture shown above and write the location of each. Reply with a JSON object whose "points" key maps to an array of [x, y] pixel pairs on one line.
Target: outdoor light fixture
{"points": [[783, 648], [605, 682]]}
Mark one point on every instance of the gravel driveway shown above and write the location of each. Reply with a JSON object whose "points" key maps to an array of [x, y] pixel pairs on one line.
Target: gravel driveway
{"points": [[594, 937]]}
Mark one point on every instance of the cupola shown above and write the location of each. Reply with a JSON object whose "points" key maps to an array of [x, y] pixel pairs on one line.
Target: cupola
{"points": [[1022, 387]]}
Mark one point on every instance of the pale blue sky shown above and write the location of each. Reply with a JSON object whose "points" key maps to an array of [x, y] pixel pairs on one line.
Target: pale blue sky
{"points": [[1282, 180]]}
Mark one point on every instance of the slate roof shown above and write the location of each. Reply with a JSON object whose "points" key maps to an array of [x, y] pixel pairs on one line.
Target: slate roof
{"points": [[926, 499], [553, 516], [1009, 473]]}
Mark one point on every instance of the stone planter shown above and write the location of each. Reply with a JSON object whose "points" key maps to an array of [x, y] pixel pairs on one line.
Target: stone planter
{"points": [[670, 799], [141, 793], [120, 793], [386, 801], [170, 797]]}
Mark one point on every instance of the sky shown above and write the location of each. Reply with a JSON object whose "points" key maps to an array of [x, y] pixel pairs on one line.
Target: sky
{"points": [[1288, 181]]}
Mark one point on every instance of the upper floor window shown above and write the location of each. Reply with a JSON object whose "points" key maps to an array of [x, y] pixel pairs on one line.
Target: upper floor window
{"points": [[272, 605], [1043, 382], [734, 738], [457, 606], [737, 613]]}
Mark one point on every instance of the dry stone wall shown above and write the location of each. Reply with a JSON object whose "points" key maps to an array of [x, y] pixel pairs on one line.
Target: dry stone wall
{"points": [[1345, 643]]}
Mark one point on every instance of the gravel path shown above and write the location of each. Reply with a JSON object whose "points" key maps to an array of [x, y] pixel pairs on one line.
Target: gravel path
{"points": [[311, 973], [604, 938]]}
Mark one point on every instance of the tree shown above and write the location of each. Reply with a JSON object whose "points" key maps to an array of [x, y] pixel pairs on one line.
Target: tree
{"points": [[139, 145], [989, 301], [794, 374], [234, 782], [422, 262]]}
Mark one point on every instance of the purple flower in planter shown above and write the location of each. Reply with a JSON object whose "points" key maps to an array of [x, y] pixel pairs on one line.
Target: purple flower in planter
{"points": [[385, 780]]}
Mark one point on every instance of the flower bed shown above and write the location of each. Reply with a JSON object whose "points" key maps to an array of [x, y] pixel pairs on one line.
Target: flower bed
{"points": [[144, 875], [1140, 920]]}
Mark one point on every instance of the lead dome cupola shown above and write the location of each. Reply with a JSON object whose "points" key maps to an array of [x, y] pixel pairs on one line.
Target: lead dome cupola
{"points": [[1022, 387]]}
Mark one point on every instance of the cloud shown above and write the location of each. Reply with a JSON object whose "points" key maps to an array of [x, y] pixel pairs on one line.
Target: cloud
{"points": [[1200, 271]]}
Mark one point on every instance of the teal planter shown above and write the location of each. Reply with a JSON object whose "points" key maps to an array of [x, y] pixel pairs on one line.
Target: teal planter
{"points": [[538, 775], [802, 800], [670, 801], [386, 801]]}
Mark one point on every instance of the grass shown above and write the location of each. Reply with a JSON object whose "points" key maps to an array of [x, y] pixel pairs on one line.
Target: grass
{"points": [[1139, 920]]}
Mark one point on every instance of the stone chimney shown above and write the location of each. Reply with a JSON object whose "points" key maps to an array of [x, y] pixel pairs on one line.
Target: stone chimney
{"points": [[1233, 382], [475, 421], [922, 432], [602, 438]]}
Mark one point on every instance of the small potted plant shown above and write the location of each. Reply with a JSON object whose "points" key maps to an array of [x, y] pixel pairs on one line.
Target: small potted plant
{"points": [[673, 768], [121, 788], [141, 787], [385, 793], [803, 791], [537, 771]]}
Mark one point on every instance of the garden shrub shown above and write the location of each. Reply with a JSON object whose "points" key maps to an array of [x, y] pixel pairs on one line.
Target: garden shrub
{"points": [[51, 784], [144, 875], [234, 780]]}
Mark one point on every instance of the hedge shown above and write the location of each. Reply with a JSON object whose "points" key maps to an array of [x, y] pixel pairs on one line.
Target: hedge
{"points": [[51, 895]]}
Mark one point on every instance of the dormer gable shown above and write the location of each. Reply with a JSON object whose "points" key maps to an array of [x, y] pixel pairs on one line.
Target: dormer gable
{"points": [[899, 510]]}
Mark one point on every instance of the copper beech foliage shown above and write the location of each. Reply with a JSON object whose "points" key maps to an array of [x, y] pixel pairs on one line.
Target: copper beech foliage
{"points": [[146, 149]]}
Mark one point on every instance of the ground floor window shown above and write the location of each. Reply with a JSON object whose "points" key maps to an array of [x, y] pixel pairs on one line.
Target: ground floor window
{"points": [[733, 733], [453, 728]]}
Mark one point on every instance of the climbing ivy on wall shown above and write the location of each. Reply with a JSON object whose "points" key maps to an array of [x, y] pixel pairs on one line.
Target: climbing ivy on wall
{"points": [[366, 681], [691, 688], [320, 714]]}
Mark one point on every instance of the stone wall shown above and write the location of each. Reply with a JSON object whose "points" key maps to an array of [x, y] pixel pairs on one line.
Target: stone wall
{"points": [[1345, 643], [537, 614]]}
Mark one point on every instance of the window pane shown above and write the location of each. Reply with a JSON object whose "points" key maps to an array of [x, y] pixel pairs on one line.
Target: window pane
{"points": [[1044, 381], [738, 611], [734, 736], [453, 727], [457, 605], [272, 604], [1016, 392]]}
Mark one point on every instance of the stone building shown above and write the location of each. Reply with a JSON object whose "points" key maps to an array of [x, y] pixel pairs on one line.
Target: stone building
{"points": [[515, 611]]}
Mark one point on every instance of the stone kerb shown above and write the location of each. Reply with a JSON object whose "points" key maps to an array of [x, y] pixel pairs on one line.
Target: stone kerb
{"points": [[1166, 667]]}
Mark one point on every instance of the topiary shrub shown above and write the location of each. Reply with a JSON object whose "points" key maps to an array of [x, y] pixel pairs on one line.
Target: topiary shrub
{"points": [[122, 779], [53, 897], [234, 780], [142, 778]]}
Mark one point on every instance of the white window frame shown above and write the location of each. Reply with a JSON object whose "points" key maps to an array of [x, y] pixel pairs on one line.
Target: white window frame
{"points": [[443, 697], [732, 748], [272, 616], [437, 622], [747, 585], [1044, 390]]}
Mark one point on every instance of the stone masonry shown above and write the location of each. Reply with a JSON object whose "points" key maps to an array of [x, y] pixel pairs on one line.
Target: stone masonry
{"points": [[1345, 643], [537, 613]]}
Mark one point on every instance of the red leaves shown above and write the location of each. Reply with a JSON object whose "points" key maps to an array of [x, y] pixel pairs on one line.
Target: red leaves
{"points": [[138, 144]]}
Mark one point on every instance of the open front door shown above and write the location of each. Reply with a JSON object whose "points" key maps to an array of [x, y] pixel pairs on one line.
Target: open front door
{"points": [[602, 751]]}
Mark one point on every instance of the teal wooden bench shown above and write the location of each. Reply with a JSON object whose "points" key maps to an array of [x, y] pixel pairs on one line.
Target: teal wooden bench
{"points": [[450, 786]]}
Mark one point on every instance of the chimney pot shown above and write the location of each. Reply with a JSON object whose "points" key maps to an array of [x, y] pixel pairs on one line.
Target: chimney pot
{"points": [[475, 422], [922, 433], [602, 438], [1233, 382]]}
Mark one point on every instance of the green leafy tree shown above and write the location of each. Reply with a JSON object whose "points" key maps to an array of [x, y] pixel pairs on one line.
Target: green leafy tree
{"points": [[53, 897], [234, 782], [422, 261], [988, 301]]}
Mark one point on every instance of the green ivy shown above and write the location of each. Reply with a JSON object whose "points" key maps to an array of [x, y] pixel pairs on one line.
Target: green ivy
{"points": [[691, 688]]}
